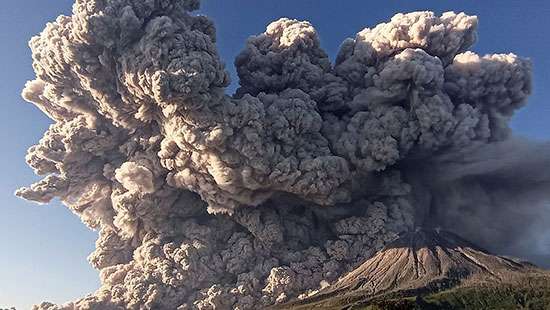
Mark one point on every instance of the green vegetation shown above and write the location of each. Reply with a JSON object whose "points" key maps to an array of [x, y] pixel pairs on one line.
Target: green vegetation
{"points": [[532, 293]]}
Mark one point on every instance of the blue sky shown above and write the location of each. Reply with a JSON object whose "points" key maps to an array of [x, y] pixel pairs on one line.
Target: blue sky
{"points": [[43, 249]]}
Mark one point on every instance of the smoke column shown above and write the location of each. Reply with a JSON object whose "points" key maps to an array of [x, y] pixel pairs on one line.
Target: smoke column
{"points": [[205, 200]]}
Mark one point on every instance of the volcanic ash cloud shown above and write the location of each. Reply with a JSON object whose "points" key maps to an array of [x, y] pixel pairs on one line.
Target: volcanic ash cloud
{"points": [[204, 200]]}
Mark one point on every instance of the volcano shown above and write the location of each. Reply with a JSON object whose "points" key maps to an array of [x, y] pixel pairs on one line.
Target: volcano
{"points": [[433, 269]]}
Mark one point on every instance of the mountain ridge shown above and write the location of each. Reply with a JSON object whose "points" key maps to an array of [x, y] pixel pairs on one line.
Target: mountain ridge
{"points": [[420, 263]]}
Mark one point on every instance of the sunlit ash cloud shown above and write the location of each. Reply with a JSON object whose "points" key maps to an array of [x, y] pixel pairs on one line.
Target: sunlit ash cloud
{"points": [[205, 200]]}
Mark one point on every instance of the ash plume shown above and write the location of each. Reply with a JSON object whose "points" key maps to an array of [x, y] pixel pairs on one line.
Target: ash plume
{"points": [[205, 200], [497, 194]]}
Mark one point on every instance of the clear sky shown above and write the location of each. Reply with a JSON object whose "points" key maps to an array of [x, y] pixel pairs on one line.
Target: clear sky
{"points": [[43, 249]]}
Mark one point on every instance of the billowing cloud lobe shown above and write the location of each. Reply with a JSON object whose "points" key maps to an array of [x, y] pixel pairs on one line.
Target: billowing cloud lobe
{"points": [[205, 200]]}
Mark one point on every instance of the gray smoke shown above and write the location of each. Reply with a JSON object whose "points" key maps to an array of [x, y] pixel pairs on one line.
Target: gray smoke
{"points": [[497, 194], [204, 200]]}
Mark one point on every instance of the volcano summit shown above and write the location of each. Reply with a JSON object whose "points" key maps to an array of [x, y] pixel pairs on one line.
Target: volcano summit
{"points": [[208, 200], [438, 266]]}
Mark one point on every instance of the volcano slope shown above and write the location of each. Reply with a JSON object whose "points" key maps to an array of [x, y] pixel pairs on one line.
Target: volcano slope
{"points": [[432, 269]]}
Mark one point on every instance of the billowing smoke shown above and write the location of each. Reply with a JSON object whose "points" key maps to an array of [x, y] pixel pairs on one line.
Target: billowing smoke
{"points": [[205, 200]]}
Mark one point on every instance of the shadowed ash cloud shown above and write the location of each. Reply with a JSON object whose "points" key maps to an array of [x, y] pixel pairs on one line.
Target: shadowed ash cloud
{"points": [[208, 201], [497, 194]]}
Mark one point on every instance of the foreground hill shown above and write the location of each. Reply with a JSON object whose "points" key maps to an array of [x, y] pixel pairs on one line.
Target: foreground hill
{"points": [[429, 269]]}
